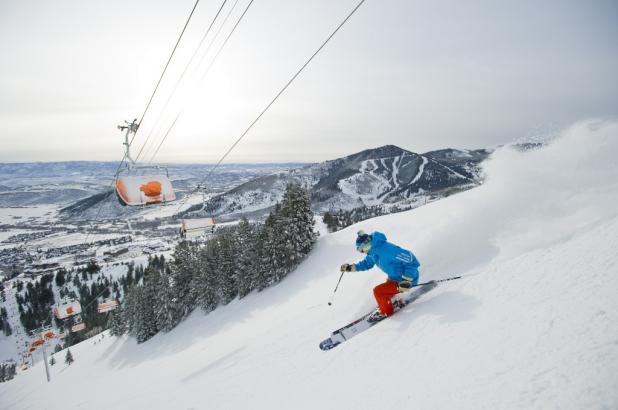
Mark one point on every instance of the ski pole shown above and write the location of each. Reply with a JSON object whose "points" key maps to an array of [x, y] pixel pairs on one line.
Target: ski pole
{"points": [[437, 281], [330, 302]]}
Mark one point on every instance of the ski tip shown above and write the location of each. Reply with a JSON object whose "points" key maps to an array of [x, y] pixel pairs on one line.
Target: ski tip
{"points": [[327, 344]]}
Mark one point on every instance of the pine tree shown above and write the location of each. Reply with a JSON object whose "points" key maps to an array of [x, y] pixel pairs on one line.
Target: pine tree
{"points": [[168, 306], [225, 269], [204, 284], [7, 370], [52, 361], [68, 358], [289, 234], [266, 253], [244, 263], [144, 323], [299, 223], [182, 271], [60, 277], [117, 323], [7, 329]]}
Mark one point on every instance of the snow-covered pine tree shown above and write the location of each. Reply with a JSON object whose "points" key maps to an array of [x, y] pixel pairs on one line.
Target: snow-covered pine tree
{"points": [[296, 225], [182, 271], [225, 267], [117, 324], [244, 263], [266, 252], [148, 298], [139, 309], [168, 306], [7, 370], [5, 327], [204, 284], [8, 331], [68, 358]]}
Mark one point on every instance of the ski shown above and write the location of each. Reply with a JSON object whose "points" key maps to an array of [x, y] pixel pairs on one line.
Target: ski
{"points": [[365, 322]]}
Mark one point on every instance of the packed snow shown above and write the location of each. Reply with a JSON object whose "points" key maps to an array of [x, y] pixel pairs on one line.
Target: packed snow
{"points": [[533, 324], [39, 213]]}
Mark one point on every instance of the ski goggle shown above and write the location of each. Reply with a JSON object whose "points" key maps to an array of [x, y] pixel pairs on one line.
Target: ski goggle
{"points": [[363, 242]]}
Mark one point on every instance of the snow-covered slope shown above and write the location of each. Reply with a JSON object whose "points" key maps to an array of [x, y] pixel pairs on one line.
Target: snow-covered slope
{"points": [[534, 325]]}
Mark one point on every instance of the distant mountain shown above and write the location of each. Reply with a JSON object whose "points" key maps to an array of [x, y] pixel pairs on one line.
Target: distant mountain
{"points": [[384, 175]]}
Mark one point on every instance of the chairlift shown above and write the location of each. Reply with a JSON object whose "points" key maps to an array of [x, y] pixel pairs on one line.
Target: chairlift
{"points": [[141, 185], [107, 306], [68, 309], [195, 228], [78, 327], [37, 343], [133, 190]]}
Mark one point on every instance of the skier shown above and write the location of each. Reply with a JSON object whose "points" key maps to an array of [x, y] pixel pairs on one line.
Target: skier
{"points": [[400, 265]]}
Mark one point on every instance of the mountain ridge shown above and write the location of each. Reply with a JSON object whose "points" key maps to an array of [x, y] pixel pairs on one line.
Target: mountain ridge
{"points": [[384, 175]]}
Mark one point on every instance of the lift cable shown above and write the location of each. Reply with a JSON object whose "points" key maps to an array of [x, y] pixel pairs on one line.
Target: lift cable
{"points": [[202, 78], [270, 104], [165, 68], [212, 42], [181, 78]]}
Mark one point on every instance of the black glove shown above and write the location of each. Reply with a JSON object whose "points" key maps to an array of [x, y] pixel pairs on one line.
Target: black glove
{"points": [[346, 267]]}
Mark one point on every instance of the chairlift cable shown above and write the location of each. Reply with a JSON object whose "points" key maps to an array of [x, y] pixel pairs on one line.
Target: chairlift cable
{"points": [[166, 66], [272, 102], [212, 41], [182, 76], [202, 78]]}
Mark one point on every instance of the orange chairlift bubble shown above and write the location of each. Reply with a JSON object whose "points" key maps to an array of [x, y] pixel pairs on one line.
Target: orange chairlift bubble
{"points": [[142, 184], [68, 309], [133, 190], [37, 343]]}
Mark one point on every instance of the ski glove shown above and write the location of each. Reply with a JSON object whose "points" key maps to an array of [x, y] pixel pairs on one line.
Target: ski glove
{"points": [[346, 267]]}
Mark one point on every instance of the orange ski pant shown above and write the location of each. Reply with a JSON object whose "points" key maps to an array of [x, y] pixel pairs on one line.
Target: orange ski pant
{"points": [[383, 294]]}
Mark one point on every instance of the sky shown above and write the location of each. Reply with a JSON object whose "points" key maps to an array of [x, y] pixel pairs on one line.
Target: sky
{"points": [[421, 75]]}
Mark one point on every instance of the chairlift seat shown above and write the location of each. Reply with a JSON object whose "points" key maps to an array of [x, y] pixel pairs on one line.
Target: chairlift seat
{"points": [[193, 228], [134, 190], [68, 309], [78, 327], [107, 306]]}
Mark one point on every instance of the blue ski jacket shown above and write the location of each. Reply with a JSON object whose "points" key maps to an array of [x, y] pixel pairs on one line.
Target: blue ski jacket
{"points": [[396, 262]]}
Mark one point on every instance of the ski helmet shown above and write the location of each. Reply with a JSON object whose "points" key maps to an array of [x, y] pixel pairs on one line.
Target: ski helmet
{"points": [[363, 242]]}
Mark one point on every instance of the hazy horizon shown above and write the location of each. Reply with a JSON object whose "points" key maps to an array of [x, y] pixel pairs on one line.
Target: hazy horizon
{"points": [[422, 76]]}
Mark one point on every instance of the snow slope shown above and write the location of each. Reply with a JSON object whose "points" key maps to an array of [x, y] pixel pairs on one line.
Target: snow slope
{"points": [[534, 325]]}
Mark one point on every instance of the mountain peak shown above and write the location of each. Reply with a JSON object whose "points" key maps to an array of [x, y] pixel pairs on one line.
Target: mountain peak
{"points": [[385, 151]]}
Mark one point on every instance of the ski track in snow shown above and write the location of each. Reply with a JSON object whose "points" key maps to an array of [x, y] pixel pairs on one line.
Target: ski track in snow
{"points": [[535, 327], [420, 171]]}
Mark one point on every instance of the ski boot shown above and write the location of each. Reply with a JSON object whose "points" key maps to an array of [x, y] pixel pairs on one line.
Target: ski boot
{"points": [[376, 317]]}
